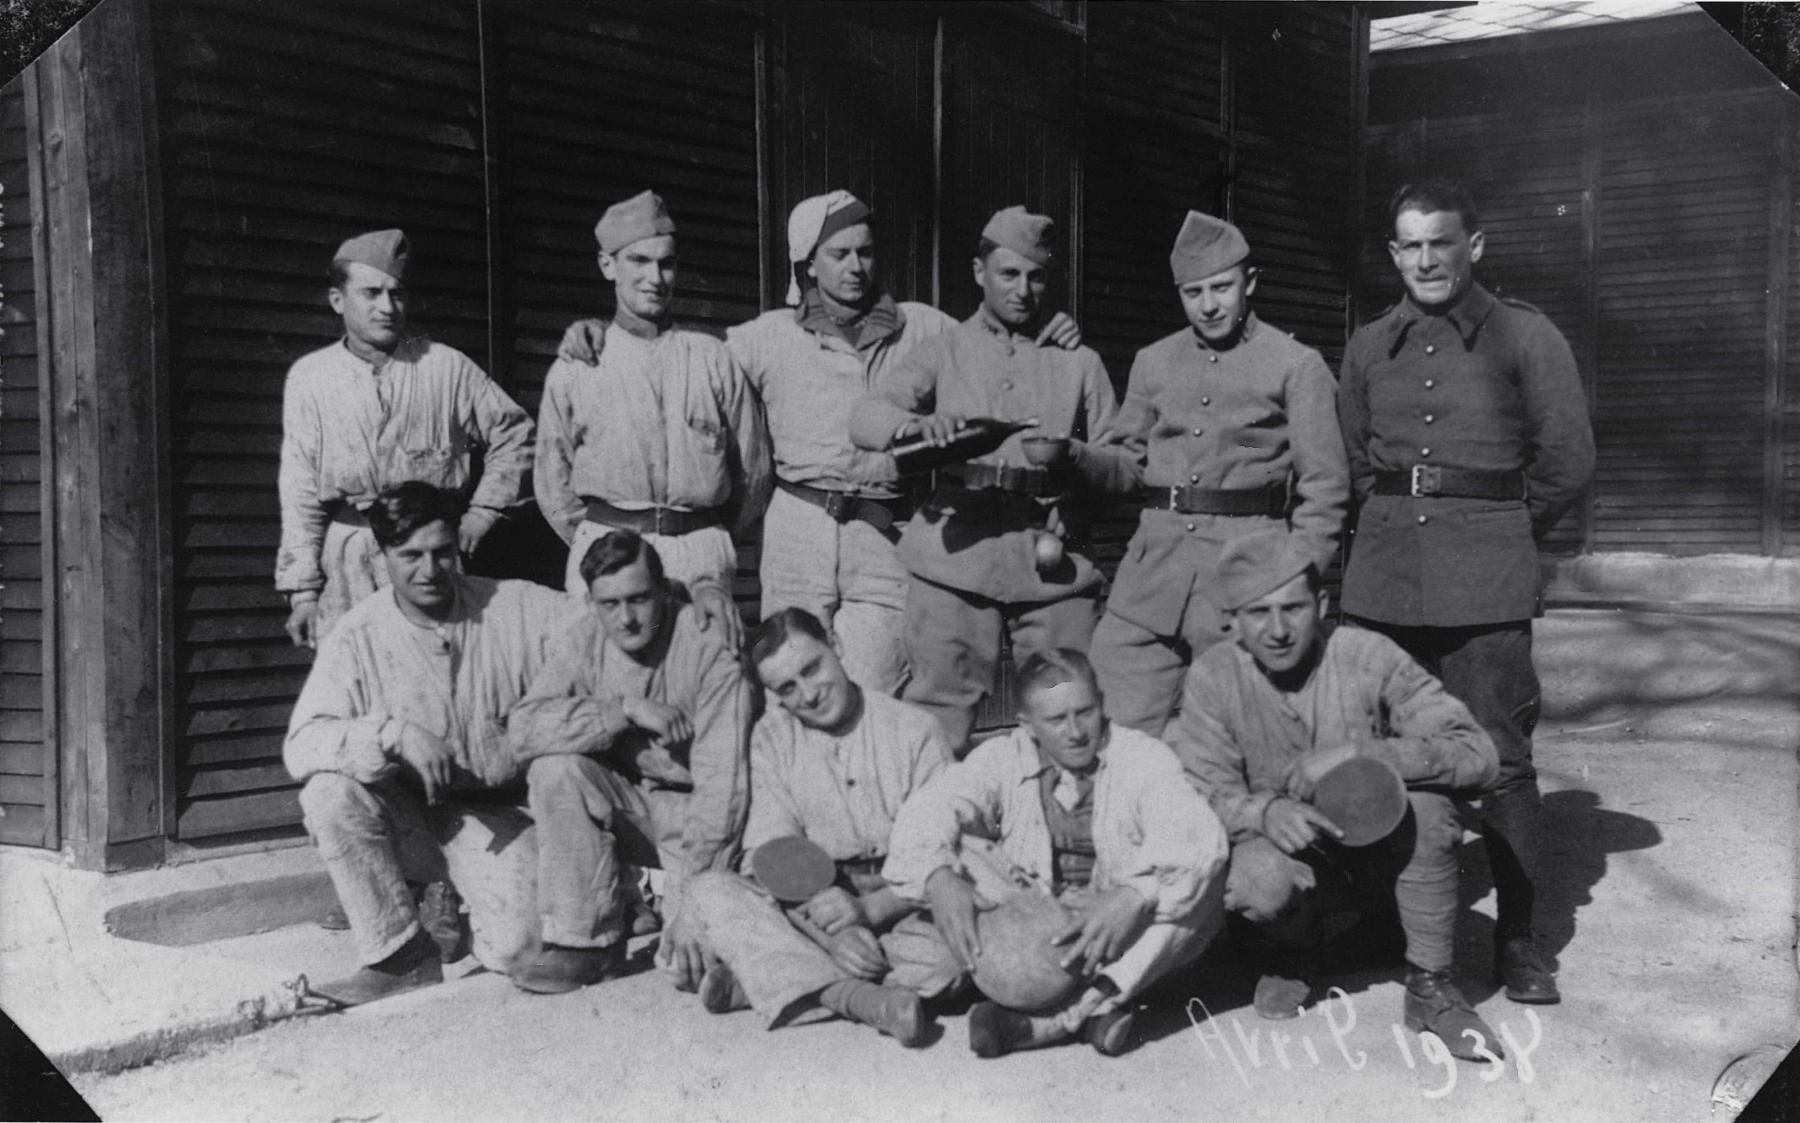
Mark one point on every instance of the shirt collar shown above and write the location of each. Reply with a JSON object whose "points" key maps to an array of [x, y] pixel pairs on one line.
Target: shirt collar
{"points": [[882, 321], [634, 324], [1466, 316], [1041, 763], [1245, 335], [998, 330]]}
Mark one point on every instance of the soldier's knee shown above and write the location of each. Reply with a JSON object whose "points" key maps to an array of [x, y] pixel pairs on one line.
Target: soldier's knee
{"points": [[331, 801], [558, 772], [711, 893], [1435, 821]]}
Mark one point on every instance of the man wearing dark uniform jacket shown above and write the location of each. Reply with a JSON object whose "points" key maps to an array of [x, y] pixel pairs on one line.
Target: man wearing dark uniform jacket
{"points": [[1466, 426]]}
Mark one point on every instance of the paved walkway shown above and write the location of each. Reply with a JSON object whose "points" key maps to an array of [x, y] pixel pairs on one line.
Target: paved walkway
{"points": [[1670, 774]]}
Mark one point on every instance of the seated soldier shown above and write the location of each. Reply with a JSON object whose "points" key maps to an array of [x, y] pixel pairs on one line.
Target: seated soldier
{"points": [[1262, 719], [1096, 814], [831, 764], [405, 707], [636, 730]]}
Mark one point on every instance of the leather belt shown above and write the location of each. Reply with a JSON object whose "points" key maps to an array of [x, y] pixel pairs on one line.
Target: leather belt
{"points": [[347, 515], [1000, 477], [666, 521], [884, 515], [1424, 480], [1271, 500]]}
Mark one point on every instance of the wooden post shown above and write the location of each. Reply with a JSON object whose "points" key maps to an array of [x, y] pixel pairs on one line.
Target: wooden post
{"points": [[1781, 237], [108, 362], [40, 267]]}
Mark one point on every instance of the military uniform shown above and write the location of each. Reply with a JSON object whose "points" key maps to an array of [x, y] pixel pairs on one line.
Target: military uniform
{"points": [[1468, 437], [970, 549], [664, 438], [832, 524], [1253, 426]]}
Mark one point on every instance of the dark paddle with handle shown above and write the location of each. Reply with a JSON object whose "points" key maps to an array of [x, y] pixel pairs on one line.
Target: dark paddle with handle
{"points": [[1365, 797], [793, 870]]}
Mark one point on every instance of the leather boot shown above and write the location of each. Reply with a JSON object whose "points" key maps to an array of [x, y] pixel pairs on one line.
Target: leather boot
{"points": [[558, 970], [895, 1011], [995, 1031], [1113, 1034], [1435, 1004], [720, 992], [413, 966], [1519, 969]]}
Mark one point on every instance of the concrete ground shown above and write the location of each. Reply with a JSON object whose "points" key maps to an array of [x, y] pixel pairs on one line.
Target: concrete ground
{"points": [[1670, 777]]}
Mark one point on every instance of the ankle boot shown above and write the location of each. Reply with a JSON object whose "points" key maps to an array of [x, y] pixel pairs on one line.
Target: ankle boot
{"points": [[1435, 1004], [895, 1011], [414, 965]]}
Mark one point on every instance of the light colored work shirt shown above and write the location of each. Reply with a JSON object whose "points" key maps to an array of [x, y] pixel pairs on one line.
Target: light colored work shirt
{"points": [[576, 705], [668, 421], [840, 791], [1237, 734], [378, 672], [1150, 830], [348, 431], [810, 380]]}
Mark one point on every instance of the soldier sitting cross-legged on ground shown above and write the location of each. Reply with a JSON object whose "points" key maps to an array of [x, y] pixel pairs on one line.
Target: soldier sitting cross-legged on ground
{"points": [[832, 763], [1071, 807]]}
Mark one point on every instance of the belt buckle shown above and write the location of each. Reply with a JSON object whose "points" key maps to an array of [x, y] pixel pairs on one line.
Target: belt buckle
{"points": [[838, 505], [662, 520], [1175, 499], [1427, 480]]}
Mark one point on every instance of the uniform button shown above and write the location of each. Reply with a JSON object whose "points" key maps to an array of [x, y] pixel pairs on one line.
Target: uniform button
{"points": [[1194, 479], [1206, 401], [1190, 526], [1429, 419], [1423, 520], [1212, 358], [1430, 382], [849, 783], [1006, 384], [1430, 349], [1424, 452], [1196, 432]]}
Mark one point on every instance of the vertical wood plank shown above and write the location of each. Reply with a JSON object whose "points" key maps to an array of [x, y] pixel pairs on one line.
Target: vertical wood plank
{"points": [[499, 311], [1359, 187], [1780, 242], [40, 270]]}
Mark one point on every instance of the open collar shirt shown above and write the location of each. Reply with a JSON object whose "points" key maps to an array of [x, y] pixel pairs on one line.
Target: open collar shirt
{"points": [[663, 421], [378, 671], [1150, 830], [350, 430]]}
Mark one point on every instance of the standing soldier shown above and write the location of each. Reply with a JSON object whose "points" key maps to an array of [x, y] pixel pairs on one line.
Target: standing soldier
{"points": [[828, 539], [985, 552], [1466, 425], [374, 409], [665, 437], [1236, 429]]}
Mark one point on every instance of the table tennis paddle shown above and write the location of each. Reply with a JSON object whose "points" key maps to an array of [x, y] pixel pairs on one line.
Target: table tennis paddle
{"points": [[1364, 796]]}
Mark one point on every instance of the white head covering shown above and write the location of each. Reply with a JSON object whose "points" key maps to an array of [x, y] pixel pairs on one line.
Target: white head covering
{"points": [[805, 225]]}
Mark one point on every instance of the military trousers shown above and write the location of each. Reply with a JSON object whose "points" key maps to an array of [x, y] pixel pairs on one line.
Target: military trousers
{"points": [[953, 643], [782, 970], [1287, 896], [1489, 669], [846, 574], [376, 838], [1141, 671], [591, 820]]}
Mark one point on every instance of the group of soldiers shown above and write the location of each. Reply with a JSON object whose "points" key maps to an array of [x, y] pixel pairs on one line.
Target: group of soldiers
{"points": [[616, 755]]}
